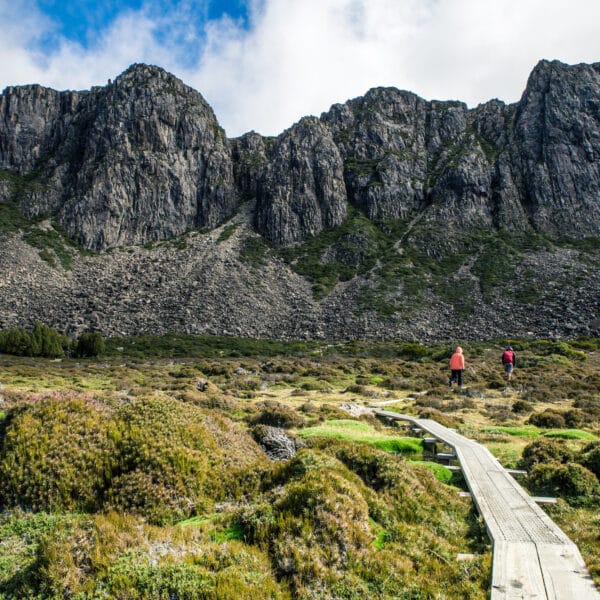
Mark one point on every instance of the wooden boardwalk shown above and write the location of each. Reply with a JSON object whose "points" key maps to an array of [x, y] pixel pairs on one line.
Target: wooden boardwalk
{"points": [[532, 557]]}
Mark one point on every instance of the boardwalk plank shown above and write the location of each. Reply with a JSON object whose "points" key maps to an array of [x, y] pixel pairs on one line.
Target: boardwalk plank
{"points": [[516, 572], [533, 558]]}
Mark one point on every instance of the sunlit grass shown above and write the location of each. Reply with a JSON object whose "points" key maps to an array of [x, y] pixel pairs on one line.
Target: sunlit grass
{"points": [[570, 434], [440, 471], [358, 431], [528, 431]]}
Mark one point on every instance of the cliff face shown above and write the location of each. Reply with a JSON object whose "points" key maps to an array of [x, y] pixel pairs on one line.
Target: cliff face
{"points": [[355, 202], [557, 134], [142, 159], [301, 189]]}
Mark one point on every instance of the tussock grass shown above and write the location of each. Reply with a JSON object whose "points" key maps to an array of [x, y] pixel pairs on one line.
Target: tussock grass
{"points": [[359, 431], [440, 472], [165, 440]]}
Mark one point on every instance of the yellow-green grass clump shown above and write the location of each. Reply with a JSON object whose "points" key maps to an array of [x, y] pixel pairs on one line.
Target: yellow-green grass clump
{"points": [[348, 521], [359, 431], [120, 556], [157, 457]]}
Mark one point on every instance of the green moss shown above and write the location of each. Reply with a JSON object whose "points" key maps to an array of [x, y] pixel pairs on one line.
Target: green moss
{"points": [[255, 252], [379, 542], [227, 232]]}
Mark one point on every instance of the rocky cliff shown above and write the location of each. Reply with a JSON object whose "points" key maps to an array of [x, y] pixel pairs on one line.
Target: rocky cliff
{"points": [[387, 216], [139, 160]]}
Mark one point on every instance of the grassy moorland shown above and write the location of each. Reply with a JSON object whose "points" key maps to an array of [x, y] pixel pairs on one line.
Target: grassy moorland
{"points": [[140, 474]]}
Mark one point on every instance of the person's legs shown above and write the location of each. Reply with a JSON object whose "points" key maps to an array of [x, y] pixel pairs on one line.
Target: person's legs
{"points": [[455, 375], [459, 378]]}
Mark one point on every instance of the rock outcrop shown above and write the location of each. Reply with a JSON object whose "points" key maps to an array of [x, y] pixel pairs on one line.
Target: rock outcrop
{"points": [[462, 215], [139, 160]]}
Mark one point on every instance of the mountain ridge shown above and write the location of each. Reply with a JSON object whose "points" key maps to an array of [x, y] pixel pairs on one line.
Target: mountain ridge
{"points": [[388, 215]]}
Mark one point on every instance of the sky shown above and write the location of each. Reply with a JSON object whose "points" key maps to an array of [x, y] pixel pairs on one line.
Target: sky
{"points": [[263, 64]]}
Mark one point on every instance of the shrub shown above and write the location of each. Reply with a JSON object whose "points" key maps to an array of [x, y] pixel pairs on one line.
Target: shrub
{"points": [[557, 419], [549, 419], [114, 557], [47, 342], [412, 351], [277, 415], [156, 457], [90, 344], [440, 417], [557, 348], [396, 383], [590, 458], [42, 341], [56, 455], [311, 523], [575, 483], [589, 406], [543, 451], [521, 406]]}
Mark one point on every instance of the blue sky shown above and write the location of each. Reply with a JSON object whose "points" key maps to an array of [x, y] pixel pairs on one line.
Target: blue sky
{"points": [[263, 64], [81, 21]]}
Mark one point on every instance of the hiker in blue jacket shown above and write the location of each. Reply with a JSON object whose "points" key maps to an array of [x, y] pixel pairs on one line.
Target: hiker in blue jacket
{"points": [[509, 361]]}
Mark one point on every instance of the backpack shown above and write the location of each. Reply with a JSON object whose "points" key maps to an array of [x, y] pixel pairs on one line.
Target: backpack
{"points": [[508, 356]]}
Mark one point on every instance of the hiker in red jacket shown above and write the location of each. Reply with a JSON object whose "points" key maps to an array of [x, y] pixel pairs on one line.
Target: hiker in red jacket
{"points": [[509, 360], [457, 366]]}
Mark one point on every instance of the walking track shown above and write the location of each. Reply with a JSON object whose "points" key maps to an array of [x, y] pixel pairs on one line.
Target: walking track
{"points": [[532, 558]]}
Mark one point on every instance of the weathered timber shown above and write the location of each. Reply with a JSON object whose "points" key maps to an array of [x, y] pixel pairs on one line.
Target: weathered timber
{"points": [[533, 558]]}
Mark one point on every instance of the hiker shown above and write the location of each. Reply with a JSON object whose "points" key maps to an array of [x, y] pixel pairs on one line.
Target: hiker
{"points": [[457, 366], [509, 360]]}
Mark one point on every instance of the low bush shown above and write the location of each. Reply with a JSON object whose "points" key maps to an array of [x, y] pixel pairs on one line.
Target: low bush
{"points": [[522, 406], [440, 417], [589, 407], [156, 457], [543, 451], [275, 414], [572, 481], [396, 383], [557, 419], [590, 457], [56, 455], [90, 344], [549, 419], [41, 341], [115, 557]]}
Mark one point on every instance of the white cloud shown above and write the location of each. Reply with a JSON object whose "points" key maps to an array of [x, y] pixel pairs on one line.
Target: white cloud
{"points": [[298, 57]]}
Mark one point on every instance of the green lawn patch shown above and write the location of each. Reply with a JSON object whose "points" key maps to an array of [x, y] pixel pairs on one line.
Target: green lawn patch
{"points": [[197, 520], [516, 431], [235, 532], [570, 434], [358, 431]]}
